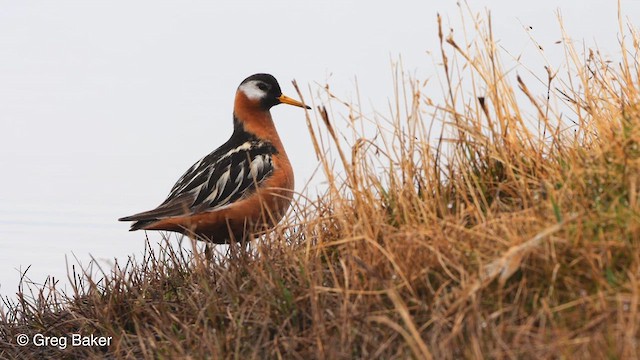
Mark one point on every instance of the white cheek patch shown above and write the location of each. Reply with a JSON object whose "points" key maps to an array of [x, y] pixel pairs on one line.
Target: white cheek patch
{"points": [[252, 91]]}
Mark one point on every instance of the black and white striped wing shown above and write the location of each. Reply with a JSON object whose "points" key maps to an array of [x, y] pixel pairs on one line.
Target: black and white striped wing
{"points": [[217, 180], [236, 177]]}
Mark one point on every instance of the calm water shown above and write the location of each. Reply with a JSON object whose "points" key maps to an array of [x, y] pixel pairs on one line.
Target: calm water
{"points": [[46, 240]]}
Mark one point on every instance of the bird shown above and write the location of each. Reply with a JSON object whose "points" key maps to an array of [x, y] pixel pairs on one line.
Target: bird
{"points": [[242, 187]]}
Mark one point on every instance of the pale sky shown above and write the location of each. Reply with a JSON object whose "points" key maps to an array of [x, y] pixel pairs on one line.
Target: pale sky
{"points": [[104, 104]]}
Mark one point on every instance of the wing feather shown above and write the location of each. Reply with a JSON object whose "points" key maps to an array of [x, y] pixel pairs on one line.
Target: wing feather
{"points": [[215, 181]]}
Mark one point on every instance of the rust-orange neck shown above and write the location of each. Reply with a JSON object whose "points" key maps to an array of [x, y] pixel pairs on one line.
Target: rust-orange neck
{"points": [[256, 120]]}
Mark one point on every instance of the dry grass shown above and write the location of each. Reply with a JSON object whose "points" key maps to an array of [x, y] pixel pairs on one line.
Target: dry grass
{"points": [[492, 234]]}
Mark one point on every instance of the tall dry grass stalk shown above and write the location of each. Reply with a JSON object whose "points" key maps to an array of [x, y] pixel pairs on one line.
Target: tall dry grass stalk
{"points": [[468, 228]]}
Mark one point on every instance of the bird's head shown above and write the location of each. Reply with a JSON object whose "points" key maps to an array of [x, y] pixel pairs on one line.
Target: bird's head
{"points": [[263, 91]]}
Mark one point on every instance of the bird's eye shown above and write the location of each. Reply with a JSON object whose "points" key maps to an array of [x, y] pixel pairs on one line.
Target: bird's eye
{"points": [[262, 86]]}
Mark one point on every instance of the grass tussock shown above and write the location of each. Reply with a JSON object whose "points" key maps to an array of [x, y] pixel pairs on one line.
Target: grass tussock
{"points": [[496, 223]]}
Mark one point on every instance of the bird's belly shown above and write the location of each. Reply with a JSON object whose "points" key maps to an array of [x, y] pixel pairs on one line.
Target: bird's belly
{"points": [[256, 213], [260, 211]]}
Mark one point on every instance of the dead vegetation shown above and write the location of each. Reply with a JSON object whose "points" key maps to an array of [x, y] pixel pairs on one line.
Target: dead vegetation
{"points": [[468, 228]]}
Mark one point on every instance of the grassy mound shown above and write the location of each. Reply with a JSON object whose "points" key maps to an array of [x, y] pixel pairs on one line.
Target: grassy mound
{"points": [[495, 223]]}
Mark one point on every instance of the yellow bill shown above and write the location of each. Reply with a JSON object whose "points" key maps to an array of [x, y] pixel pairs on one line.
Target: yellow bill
{"points": [[287, 100]]}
